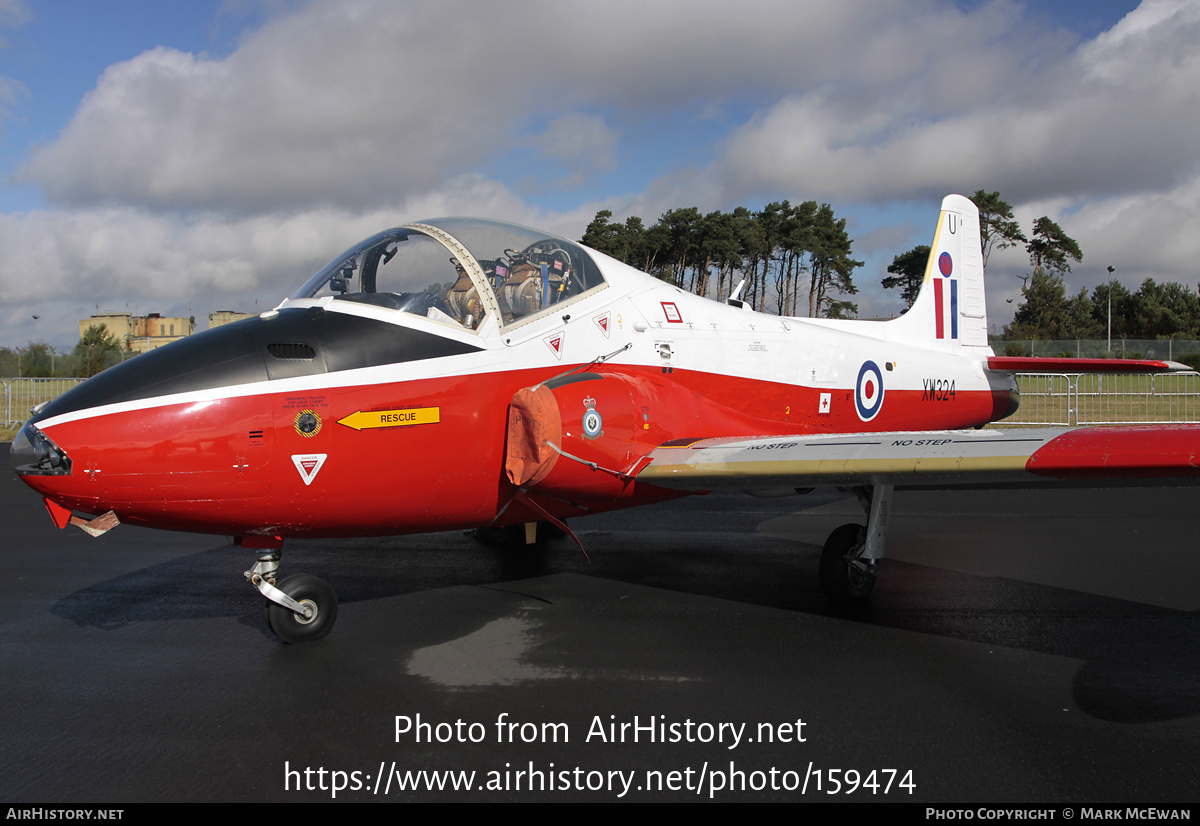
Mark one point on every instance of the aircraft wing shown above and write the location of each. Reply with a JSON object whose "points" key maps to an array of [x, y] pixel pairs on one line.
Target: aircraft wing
{"points": [[1038, 364], [1089, 456]]}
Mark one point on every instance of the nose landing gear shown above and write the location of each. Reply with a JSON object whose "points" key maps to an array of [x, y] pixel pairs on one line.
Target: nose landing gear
{"points": [[301, 608]]}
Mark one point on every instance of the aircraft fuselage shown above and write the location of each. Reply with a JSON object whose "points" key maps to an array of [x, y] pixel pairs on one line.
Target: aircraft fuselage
{"points": [[334, 418]]}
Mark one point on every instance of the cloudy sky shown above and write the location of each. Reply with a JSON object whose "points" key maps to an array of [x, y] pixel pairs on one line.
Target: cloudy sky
{"points": [[187, 157]]}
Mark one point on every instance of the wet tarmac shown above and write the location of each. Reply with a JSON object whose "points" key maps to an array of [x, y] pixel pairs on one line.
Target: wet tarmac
{"points": [[1021, 647]]}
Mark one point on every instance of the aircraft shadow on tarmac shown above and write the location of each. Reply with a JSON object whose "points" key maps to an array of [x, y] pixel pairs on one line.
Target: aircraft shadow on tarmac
{"points": [[1141, 663]]}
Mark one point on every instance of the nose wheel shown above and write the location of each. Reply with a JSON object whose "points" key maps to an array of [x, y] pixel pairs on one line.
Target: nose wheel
{"points": [[300, 608], [318, 604]]}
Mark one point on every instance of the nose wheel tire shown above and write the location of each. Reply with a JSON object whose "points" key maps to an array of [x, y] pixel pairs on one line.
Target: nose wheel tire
{"points": [[310, 592], [845, 576]]}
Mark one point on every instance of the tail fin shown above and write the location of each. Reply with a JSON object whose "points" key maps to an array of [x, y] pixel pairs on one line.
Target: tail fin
{"points": [[951, 309]]}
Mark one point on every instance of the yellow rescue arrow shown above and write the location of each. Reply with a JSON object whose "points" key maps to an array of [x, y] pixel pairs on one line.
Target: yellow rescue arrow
{"points": [[364, 419]]}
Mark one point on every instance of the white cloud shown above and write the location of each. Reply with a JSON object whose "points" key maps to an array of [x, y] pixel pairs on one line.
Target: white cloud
{"points": [[1119, 115], [365, 102], [583, 143], [126, 251], [1148, 235], [61, 263], [13, 13], [190, 175], [11, 91]]}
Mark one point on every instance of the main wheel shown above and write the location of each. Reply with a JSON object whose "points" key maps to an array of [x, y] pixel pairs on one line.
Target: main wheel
{"points": [[841, 581], [306, 590]]}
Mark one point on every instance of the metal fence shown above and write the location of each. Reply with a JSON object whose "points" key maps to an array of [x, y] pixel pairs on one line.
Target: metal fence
{"points": [[1045, 400], [1095, 398], [21, 395]]}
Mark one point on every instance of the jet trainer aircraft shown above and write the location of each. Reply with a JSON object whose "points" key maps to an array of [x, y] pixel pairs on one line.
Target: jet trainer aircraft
{"points": [[464, 373]]}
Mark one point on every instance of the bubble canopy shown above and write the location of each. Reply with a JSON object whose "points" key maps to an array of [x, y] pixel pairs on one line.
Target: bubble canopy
{"points": [[460, 271]]}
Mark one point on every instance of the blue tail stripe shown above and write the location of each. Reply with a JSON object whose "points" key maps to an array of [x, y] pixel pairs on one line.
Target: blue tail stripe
{"points": [[954, 308]]}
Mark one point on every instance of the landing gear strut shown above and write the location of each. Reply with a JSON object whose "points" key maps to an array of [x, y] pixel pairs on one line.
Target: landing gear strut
{"points": [[300, 608], [850, 559]]}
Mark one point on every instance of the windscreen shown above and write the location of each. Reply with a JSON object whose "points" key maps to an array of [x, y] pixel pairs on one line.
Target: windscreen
{"points": [[401, 270], [410, 269]]}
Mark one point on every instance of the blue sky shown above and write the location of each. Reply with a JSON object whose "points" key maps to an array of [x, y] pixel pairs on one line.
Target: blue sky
{"points": [[64, 47], [198, 156]]}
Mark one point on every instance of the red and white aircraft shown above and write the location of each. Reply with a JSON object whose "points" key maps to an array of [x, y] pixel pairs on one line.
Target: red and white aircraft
{"points": [[463, 373]]}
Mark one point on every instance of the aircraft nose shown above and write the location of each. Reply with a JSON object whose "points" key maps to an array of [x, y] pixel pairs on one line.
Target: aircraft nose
{"points": [[287, 344], [34, 454], [53, 451], [131, 432], [223, 356]]}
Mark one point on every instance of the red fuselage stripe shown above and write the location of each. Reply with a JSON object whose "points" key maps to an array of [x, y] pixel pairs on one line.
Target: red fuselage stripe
{"points": [[282, 463]]}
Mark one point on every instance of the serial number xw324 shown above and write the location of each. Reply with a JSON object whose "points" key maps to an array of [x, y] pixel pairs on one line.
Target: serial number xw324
{"points": [[937, 390]]}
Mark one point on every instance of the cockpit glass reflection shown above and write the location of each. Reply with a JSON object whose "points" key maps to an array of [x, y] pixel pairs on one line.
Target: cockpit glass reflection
{"points": [[454, 278], [401, 270], [527, 270]]}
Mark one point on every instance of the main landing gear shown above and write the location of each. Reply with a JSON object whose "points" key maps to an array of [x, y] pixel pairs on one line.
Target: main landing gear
{"points": [[300, 608], [850, 558]]}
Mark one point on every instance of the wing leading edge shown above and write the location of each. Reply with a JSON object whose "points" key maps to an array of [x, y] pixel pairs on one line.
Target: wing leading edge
{"points": [[1083, 456], [1038, 364]]}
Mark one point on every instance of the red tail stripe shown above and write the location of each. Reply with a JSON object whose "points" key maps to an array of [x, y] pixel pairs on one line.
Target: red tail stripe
{"points": [[937, 311]]}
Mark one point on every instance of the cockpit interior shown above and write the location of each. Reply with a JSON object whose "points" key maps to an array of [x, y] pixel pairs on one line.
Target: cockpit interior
{"points": [[461, 271]]}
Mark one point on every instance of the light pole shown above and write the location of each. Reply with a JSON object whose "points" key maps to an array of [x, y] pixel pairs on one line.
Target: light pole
{"points": [[1111, 270]]}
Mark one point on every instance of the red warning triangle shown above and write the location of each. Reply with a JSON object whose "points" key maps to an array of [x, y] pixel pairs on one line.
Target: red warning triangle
{"points": [[309, 465], [602, 323], [555, 343]]}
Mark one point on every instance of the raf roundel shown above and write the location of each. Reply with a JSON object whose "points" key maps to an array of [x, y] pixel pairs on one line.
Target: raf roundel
{"points": [[945, 264], [868, 392]]}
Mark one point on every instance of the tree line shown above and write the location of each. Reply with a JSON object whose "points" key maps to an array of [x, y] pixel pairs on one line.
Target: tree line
{"points": [[1153, 311], [96, 350], [785, 256]]}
